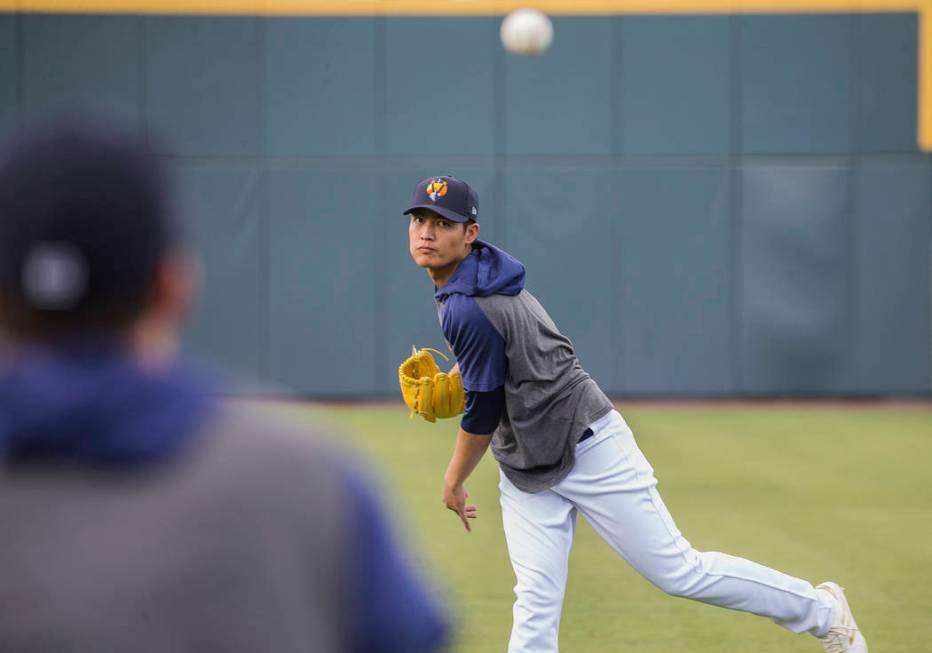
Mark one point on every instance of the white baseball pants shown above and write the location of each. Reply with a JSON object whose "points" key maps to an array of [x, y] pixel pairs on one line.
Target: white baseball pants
{"points": [[614, 488]]}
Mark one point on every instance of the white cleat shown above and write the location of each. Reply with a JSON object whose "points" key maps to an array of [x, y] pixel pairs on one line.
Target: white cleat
{"points": [[843, 636]]}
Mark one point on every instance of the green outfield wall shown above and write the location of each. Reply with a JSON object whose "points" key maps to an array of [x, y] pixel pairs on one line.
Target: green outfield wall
{"points": [[708, 205]]}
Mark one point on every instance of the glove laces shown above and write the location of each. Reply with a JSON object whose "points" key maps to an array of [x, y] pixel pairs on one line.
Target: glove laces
{"points": [[414, 351]]}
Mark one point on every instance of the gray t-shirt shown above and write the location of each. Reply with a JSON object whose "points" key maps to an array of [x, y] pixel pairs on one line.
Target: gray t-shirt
{"points": [[550, 400], [248, 541]]}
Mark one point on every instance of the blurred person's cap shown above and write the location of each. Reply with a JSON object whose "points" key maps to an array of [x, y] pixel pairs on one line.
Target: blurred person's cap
{"points": [[448, 196], [83, 220]]}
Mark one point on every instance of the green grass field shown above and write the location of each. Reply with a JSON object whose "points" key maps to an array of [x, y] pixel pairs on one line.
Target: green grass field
{"points": [[841, 493]]}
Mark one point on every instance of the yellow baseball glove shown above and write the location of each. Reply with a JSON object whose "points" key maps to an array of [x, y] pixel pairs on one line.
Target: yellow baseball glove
{"points": [[427, 391]]}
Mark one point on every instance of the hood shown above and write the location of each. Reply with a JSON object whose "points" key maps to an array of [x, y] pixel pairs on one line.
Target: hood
{"points": [[487, 270], [97, 406]]}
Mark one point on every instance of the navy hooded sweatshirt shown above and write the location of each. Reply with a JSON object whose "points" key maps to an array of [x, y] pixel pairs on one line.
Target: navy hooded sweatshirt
{"points": [[478, 347], [521, 375]]}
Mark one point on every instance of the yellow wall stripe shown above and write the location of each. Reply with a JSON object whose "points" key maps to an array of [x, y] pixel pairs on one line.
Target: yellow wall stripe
{"points": [[499, 7], [924, 85], [456, 7]]}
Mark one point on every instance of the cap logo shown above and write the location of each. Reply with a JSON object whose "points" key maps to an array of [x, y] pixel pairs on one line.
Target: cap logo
{"points": [[54, 276], [436, 189]]}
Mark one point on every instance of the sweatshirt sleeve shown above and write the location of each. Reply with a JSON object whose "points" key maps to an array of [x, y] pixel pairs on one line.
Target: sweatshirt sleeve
{"points": [[483, 411], [393, 609], [478, 347]]}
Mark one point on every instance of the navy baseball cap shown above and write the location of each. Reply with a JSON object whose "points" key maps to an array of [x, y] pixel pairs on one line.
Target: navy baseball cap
{"points": [[452, 198], [85, 223]]}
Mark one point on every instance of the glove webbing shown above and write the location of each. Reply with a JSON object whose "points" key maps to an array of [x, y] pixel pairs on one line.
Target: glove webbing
{"points": [[427, 387]]}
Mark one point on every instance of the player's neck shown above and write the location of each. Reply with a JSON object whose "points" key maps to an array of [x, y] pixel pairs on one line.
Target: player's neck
{"points": [[440, 276]]}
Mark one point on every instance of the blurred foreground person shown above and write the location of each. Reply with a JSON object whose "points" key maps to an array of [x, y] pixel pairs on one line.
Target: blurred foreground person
{"points": [[137, 513]]}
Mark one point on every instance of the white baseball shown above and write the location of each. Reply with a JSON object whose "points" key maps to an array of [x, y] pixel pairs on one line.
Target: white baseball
{"points": [[526, 31]]}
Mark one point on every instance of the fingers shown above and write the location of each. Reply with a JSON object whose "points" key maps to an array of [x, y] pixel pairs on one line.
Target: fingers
{"points": [[441, 397], [454, 498], [465, 513], [425, 399]]}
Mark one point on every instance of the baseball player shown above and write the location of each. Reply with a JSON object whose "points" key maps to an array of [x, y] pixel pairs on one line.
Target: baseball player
{"points": [[563, 449]]}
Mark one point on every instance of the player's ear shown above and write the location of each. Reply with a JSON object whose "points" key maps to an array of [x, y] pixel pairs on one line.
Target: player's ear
{"points": [[176, 285], [472, 232], [155, 334]]}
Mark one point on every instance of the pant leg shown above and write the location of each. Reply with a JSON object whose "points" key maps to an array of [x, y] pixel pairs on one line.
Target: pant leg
{"points": [[539, 530], [614, 487]]}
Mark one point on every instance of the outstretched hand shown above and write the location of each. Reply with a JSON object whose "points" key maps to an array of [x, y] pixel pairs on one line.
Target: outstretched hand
{"points": [[454, 498]]}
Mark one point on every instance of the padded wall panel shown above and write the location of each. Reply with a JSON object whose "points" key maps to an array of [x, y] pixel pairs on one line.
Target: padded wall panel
{"points": [[202, 84], [561, 102], [320, 77], [81, 61], [674, 256], [796, 282], [560, 222], [322, 279], [894, 266], [440, 104], [410, 316], [886, 83], [675, 85], [223, 207], [796, 83], [830, 291], [9, 75]]}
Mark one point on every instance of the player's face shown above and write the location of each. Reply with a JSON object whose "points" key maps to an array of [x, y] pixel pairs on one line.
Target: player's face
{"points": [[436, 243]]}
